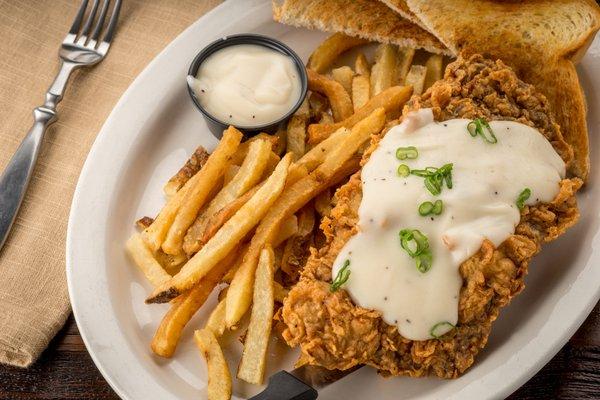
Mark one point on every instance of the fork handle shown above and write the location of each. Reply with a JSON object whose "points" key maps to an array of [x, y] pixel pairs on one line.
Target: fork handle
{"points": [[16, 176]]}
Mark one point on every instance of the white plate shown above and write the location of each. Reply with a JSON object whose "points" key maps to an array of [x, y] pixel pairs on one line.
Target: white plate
{"points": [[149, 135]]}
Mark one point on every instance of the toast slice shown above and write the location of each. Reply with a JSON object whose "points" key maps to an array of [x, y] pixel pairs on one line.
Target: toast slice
{"points": [[540, 39], [367, 19], [401, 8]]}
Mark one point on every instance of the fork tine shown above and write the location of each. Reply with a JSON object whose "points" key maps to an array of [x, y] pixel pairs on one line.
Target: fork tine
{"points": [[77, 22], [113, 22], [100, 21], [90, 20]]}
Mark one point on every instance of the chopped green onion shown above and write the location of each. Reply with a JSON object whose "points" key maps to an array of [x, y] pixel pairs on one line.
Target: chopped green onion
{"points": [[480, 126], [425, 208], [417, 247], [422, 242], [406, 237], [341, 278], [440, 329], [523, 196], [438, 207], [403, 170], [424, 261], [420, 172], [435, 177], [402, 153], [432, 184]]}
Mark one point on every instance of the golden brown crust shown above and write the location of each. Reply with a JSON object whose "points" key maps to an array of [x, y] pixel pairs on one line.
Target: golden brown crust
{"points": [[540, 39], [367, 19], [335, 333]]}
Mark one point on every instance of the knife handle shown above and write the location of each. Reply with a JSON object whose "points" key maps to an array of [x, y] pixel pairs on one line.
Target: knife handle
{"points": [[285, 386]]}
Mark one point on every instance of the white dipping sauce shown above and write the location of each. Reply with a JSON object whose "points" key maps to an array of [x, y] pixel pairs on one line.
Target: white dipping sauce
{"points": [[486, 182], [247, 85]]}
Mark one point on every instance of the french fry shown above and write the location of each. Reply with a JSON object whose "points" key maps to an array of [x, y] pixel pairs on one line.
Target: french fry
{"points": [[183, 308], [416, 78], [271, 164], [339, 99], [232, 271], [361, 91], [196, 189], [323, 203], [230, 172], [216, 320], [434, 67], [279, 292], [240, 155], [172, 264], [304, 110], [328, 51], [326, 118], [144, 222], [248, 175], [362, 66], [230, 234], [292, 199], [318, 105], [219, 218], [252, 364], [144, 259], [296, 136], [192, 165], [392, 99], [344, 76], [382, 73], [280, 147], [317, 154], [219, 378], [288, 228], [405, 59]]}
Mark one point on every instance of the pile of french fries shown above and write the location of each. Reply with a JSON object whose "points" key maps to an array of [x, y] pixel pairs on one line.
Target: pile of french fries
{"points": [[241, 220]]}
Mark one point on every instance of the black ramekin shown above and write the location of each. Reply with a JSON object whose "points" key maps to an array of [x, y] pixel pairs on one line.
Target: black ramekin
{"points": [[217, 126]]}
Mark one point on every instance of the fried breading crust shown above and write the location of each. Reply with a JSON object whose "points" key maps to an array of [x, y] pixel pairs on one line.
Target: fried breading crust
{"points": [[334, 333]]}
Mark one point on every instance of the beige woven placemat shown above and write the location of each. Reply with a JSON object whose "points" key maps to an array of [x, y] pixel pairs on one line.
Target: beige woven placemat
{"points": [[34, 302]]}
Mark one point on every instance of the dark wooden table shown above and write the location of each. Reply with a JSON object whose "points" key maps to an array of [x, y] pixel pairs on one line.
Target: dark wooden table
{"points": [[66, 371]]}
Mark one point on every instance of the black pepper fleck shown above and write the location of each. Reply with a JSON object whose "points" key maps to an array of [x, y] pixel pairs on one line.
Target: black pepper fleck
{"points": [[433, 219], [496, 193], [445, 124], [408, 320], [385, 298]]}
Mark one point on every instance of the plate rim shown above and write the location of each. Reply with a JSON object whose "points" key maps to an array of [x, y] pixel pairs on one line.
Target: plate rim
{"points": [[553, 342]]}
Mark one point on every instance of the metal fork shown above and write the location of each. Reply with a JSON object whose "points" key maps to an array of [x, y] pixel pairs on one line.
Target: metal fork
{"points": [[82, 47]]}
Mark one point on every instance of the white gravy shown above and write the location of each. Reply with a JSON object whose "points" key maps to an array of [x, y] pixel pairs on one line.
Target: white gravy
{"points": [[247, 85], [486, 182]]}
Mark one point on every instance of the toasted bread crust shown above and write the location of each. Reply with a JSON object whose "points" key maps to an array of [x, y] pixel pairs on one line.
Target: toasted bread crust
{"points": [[367, 19]]}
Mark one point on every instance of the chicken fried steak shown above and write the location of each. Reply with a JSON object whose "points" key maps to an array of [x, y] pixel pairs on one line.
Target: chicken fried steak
{"points": [[333, 332]]}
